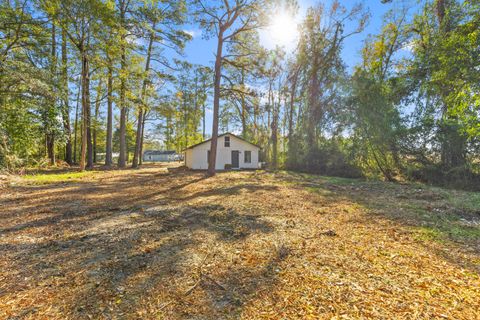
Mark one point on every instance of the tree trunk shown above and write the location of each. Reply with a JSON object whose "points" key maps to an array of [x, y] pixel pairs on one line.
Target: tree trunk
{"points": [[244, 121], [203, 108], [216, 104], [85, 106], [195, 100], [127, 146], [95, 119], [76, 123], [88, 121], [66, 107], [203, 121], [313, 119], [292, 106], [440, 10], [243, 115], [51, 148], [185, 115], [123, 120], [50, 135], [255, 120], [140, 155], [168, 133], [123, 108], [275, 133], [284, 125], [108, 148], [139, 137], [274, 126], [268, 151], [292, 157]]}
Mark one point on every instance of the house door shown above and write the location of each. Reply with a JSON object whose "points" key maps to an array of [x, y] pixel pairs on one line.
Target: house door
{"points": [[235, 159]]}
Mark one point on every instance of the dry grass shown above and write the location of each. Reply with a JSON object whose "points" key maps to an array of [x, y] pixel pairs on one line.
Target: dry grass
{"points": [[170, 244]]}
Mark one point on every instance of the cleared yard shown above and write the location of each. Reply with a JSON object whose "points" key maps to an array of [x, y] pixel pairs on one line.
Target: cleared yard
{"points": [[162, 243]]}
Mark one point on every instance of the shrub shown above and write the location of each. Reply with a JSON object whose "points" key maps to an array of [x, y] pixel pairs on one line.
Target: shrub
{"points": [[461, 177]]}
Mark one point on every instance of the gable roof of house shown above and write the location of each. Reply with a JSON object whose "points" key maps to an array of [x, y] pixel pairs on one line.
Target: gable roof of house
{"points": [[221, 135]]}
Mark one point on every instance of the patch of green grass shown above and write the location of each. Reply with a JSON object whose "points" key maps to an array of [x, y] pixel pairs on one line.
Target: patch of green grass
{"points": [[428, 234], [468, 201], [434, 225], [464, 232], [58, 177], [448, 231], [319, 190], [435, 214], [300, 178], [340, 181]]}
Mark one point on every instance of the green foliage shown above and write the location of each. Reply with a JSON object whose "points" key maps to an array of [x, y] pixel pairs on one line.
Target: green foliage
{"points": [[42, 45], [436, 142], [319, 75], [330, 158], [184, 109], [409, 110], [376, 126]]}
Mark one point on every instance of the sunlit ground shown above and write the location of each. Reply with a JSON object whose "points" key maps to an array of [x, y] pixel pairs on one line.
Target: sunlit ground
{"points": [[166, 243]]}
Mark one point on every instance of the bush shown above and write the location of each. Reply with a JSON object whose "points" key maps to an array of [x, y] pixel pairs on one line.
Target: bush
{"points": [[228, 166], [328, 159], [461, 177]]}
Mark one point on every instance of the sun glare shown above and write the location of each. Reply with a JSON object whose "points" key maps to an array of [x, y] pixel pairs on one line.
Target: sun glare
{"points": [[283, 29]]}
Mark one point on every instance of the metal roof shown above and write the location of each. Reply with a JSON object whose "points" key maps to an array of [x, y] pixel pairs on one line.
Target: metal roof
{"points": [[221, 135], [158, 152]]}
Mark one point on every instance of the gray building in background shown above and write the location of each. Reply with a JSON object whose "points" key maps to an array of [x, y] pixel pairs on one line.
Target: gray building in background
{"points": [[158, 156]]}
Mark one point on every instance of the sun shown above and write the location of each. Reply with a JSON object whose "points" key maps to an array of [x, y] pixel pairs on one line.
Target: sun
{"points": [[283, 29]]}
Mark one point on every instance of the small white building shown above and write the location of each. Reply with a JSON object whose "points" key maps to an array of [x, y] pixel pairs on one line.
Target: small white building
{"points": [[158, 156], [232, 151]]}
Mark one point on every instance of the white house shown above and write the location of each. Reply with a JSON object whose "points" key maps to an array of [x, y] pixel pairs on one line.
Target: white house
{"points": [[232, 151]]}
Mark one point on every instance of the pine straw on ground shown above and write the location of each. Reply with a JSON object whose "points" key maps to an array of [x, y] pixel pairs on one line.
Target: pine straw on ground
{"points": [[171, 244]]}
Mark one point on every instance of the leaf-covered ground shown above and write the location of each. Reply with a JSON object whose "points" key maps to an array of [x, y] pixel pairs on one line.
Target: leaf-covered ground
{"points": [[162, 243]]}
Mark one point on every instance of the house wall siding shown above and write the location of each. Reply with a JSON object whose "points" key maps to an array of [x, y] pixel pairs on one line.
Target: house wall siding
{"points": [[196, 158], [158, 157], [189, 158]]}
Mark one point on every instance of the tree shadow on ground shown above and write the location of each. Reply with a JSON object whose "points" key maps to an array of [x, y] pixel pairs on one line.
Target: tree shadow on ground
{"points": [[234, 288], [426, 212], [118, 194], [102, 258], [230, 191], [169, 245], [98, 167]]}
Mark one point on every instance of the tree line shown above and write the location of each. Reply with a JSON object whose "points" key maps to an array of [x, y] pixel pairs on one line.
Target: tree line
{"points": [[80, 59], [82, 78]]}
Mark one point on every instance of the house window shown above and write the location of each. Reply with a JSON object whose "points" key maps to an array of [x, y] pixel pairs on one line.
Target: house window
{"points": [[247, 157], [227, 142]]}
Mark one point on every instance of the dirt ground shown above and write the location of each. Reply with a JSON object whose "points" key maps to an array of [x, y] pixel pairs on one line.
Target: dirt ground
{"points": [[165, 243]]}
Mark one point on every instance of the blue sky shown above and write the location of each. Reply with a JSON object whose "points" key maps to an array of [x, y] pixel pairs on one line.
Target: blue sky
{"points": [[201, 51]]}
